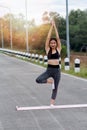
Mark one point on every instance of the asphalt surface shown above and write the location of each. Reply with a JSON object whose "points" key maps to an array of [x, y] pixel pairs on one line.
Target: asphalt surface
{"points": [[18, 88]]}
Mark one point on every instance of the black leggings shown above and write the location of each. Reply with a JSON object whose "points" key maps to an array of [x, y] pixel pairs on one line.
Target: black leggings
{"points": [[54, 72]]}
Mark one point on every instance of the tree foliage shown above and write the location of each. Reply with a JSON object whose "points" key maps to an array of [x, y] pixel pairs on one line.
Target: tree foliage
{"points": [[37, 34], [78, 29]]}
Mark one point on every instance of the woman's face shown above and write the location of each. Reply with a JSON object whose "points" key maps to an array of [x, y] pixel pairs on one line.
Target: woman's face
{"points": [[53, 44]]}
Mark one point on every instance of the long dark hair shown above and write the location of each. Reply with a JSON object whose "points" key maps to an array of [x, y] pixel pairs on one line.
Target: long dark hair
{"points": [[52, 38]]}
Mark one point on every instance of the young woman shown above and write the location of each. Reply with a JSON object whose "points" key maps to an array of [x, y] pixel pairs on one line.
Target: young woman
{"points": [[52, 74]]}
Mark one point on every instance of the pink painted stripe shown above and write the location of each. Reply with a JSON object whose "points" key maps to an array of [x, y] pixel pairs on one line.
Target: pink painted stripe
{"points": [[51, 107]]}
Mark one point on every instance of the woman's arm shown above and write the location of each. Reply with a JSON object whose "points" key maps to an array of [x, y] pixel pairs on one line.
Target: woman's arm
{"points": [[58, 39], [48, 38]]}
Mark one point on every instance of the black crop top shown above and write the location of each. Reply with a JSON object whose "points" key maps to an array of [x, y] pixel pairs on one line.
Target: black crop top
{"points": [[53, 56]]}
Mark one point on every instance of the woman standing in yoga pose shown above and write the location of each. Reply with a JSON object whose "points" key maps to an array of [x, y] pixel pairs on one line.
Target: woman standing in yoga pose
{"points": [[52, 74]]}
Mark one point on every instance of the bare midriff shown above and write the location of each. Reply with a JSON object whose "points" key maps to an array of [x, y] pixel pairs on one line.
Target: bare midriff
{"points": [[53, 62]]}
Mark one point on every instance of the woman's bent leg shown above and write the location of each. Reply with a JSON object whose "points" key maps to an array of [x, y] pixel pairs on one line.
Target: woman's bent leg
{"points": [[42, 78]]}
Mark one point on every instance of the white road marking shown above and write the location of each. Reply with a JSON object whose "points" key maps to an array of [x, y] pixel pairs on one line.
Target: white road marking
{"points": [[51, 107], [72, 76]]}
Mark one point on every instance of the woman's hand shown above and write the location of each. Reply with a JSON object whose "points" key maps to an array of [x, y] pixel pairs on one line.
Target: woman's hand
{"points": [[53, 23]]}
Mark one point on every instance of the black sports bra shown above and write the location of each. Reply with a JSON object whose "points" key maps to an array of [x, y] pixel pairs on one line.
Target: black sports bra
{"points": [[53, 56]]}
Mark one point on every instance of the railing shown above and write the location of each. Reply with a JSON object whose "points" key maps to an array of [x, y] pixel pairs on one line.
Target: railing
{"points": [[42, 59]]}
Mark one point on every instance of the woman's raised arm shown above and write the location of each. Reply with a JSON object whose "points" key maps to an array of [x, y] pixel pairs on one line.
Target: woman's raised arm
{"points": [[57, 37], [48, 38]]}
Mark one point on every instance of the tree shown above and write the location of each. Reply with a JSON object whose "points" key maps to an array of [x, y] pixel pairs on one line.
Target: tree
{"points": [[78, 29], [38, 34]]}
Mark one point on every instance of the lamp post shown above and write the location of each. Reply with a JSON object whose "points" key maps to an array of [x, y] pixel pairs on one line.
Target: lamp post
{"points": [[27, 47], [67, 30], [10, 24]]}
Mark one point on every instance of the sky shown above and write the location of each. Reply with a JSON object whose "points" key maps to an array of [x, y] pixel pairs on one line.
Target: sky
{"points": [[35, 8]]}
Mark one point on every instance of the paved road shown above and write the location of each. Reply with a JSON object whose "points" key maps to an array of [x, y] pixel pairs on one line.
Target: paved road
{"points": [[18, 87]]}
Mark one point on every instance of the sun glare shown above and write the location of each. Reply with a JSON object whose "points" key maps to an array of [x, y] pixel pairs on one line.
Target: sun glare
{"points": [[37, 8]]}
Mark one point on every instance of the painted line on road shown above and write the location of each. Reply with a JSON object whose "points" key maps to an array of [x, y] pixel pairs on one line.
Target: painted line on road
{"points": [[72, 76], [51, 107]]}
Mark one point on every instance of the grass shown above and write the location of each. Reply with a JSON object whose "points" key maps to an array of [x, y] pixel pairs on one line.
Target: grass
{"points": [[82, 73]]}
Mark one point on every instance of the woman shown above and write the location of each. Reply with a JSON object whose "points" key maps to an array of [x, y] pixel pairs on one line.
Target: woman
{"points": [[53, 49]]}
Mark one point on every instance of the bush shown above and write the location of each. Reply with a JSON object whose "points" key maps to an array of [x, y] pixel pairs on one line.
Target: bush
{"points": [[63, 51]]}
